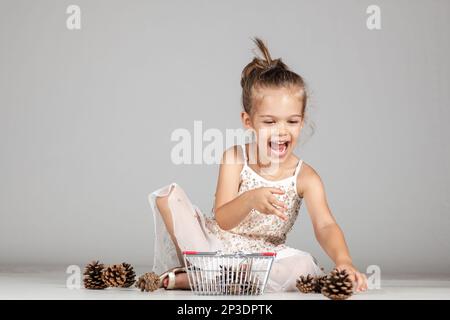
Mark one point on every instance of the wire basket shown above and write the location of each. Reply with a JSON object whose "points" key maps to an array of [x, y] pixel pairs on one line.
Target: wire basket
{"points": [[215, 273]]}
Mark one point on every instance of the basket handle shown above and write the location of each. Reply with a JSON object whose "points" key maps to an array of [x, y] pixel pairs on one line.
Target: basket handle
{"points": [[268, 254], [265, 254], [199, 252]]}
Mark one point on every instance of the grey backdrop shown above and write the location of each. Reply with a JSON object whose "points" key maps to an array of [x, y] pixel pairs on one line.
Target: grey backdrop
{"points": [[86, 118]]}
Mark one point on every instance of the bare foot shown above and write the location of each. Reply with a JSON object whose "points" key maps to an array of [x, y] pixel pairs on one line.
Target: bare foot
{"points": [[181, 281]]}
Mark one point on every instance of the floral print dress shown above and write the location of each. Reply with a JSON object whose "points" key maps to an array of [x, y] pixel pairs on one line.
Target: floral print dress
{"points": [[257, 232]]}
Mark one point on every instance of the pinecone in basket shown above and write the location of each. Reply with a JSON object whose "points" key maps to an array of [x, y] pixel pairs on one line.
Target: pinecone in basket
{"points": [[93, 276], [193, 268], [231, 275], [114, 275], [233, 281], [148, 282], [129, 274], [229, 280], [251, 288], [227, 275], [337, 285], [307, 284], [234, 289]]}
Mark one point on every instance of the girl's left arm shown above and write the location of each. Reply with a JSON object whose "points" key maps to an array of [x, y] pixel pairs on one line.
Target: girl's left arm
{"points": [[327, 231]]}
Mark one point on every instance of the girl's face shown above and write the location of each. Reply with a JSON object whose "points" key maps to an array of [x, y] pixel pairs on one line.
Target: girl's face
{"points": [[277, 120]]}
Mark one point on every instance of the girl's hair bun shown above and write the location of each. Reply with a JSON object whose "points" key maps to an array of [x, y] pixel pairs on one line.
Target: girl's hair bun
{"points": [[261, 65], [265, 71]]}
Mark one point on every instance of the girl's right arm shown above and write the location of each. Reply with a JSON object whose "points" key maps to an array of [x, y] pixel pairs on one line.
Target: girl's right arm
{"points": [[230, 208]]}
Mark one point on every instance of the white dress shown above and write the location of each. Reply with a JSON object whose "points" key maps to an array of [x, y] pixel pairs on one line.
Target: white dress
{"points": [[256, 233]]}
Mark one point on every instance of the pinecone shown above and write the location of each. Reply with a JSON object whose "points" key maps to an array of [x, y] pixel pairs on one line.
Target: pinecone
{"points": [[93, 276], [231, 275], [227, 275], [319, 283], [129, 274], [226, 279], [310, 284], [337, 285], [307, 284], [251, 288], [149, 281], [232, 280], [234, 289], [114, 275]]}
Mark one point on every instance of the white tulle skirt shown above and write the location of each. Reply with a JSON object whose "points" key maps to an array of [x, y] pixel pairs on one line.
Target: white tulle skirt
{"points": [[192, 233]]}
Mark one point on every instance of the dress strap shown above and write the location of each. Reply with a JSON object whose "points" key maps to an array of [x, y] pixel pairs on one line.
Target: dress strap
{"points": [[297, 170], [244, 152]]}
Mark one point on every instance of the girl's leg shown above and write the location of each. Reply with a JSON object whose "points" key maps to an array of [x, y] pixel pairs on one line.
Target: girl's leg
{"points": [[183, 221], [183, 224], [163, 205]]}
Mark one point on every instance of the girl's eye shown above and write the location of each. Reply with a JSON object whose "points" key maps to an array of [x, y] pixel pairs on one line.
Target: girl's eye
{"points": [[272, 122]]}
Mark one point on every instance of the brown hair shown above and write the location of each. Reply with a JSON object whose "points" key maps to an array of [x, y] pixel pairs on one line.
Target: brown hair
{"points": [[267, 72]]}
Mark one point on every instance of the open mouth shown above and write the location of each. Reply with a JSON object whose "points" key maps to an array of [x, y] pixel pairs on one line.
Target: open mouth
{"points": [[278, 148]]}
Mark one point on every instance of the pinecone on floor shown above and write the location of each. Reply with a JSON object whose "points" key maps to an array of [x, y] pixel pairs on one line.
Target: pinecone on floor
{"points": [[93, 276], [337, 285], [307, 284], [148, 282], [114, 275], [320, 280], [130, 275]]}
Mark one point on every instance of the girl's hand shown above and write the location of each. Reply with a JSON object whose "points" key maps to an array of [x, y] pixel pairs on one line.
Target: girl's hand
{"points": [[359, 279], [263, 199]]}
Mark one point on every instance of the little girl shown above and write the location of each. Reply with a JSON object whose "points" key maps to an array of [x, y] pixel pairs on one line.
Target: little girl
{"points": [[260, 189]]}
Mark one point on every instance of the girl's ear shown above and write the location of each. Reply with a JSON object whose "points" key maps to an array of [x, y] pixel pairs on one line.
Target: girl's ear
{"points": [[246, 120]]}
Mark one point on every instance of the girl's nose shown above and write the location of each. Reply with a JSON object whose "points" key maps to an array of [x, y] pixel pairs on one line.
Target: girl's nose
{"points": [[281, 129]]}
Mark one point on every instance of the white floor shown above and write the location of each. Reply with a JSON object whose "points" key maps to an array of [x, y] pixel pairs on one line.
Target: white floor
{"points": [[50, 283]]}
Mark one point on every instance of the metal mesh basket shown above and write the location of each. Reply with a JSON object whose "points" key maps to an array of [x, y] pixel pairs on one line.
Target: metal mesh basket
{"points": [[215, 273]]}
